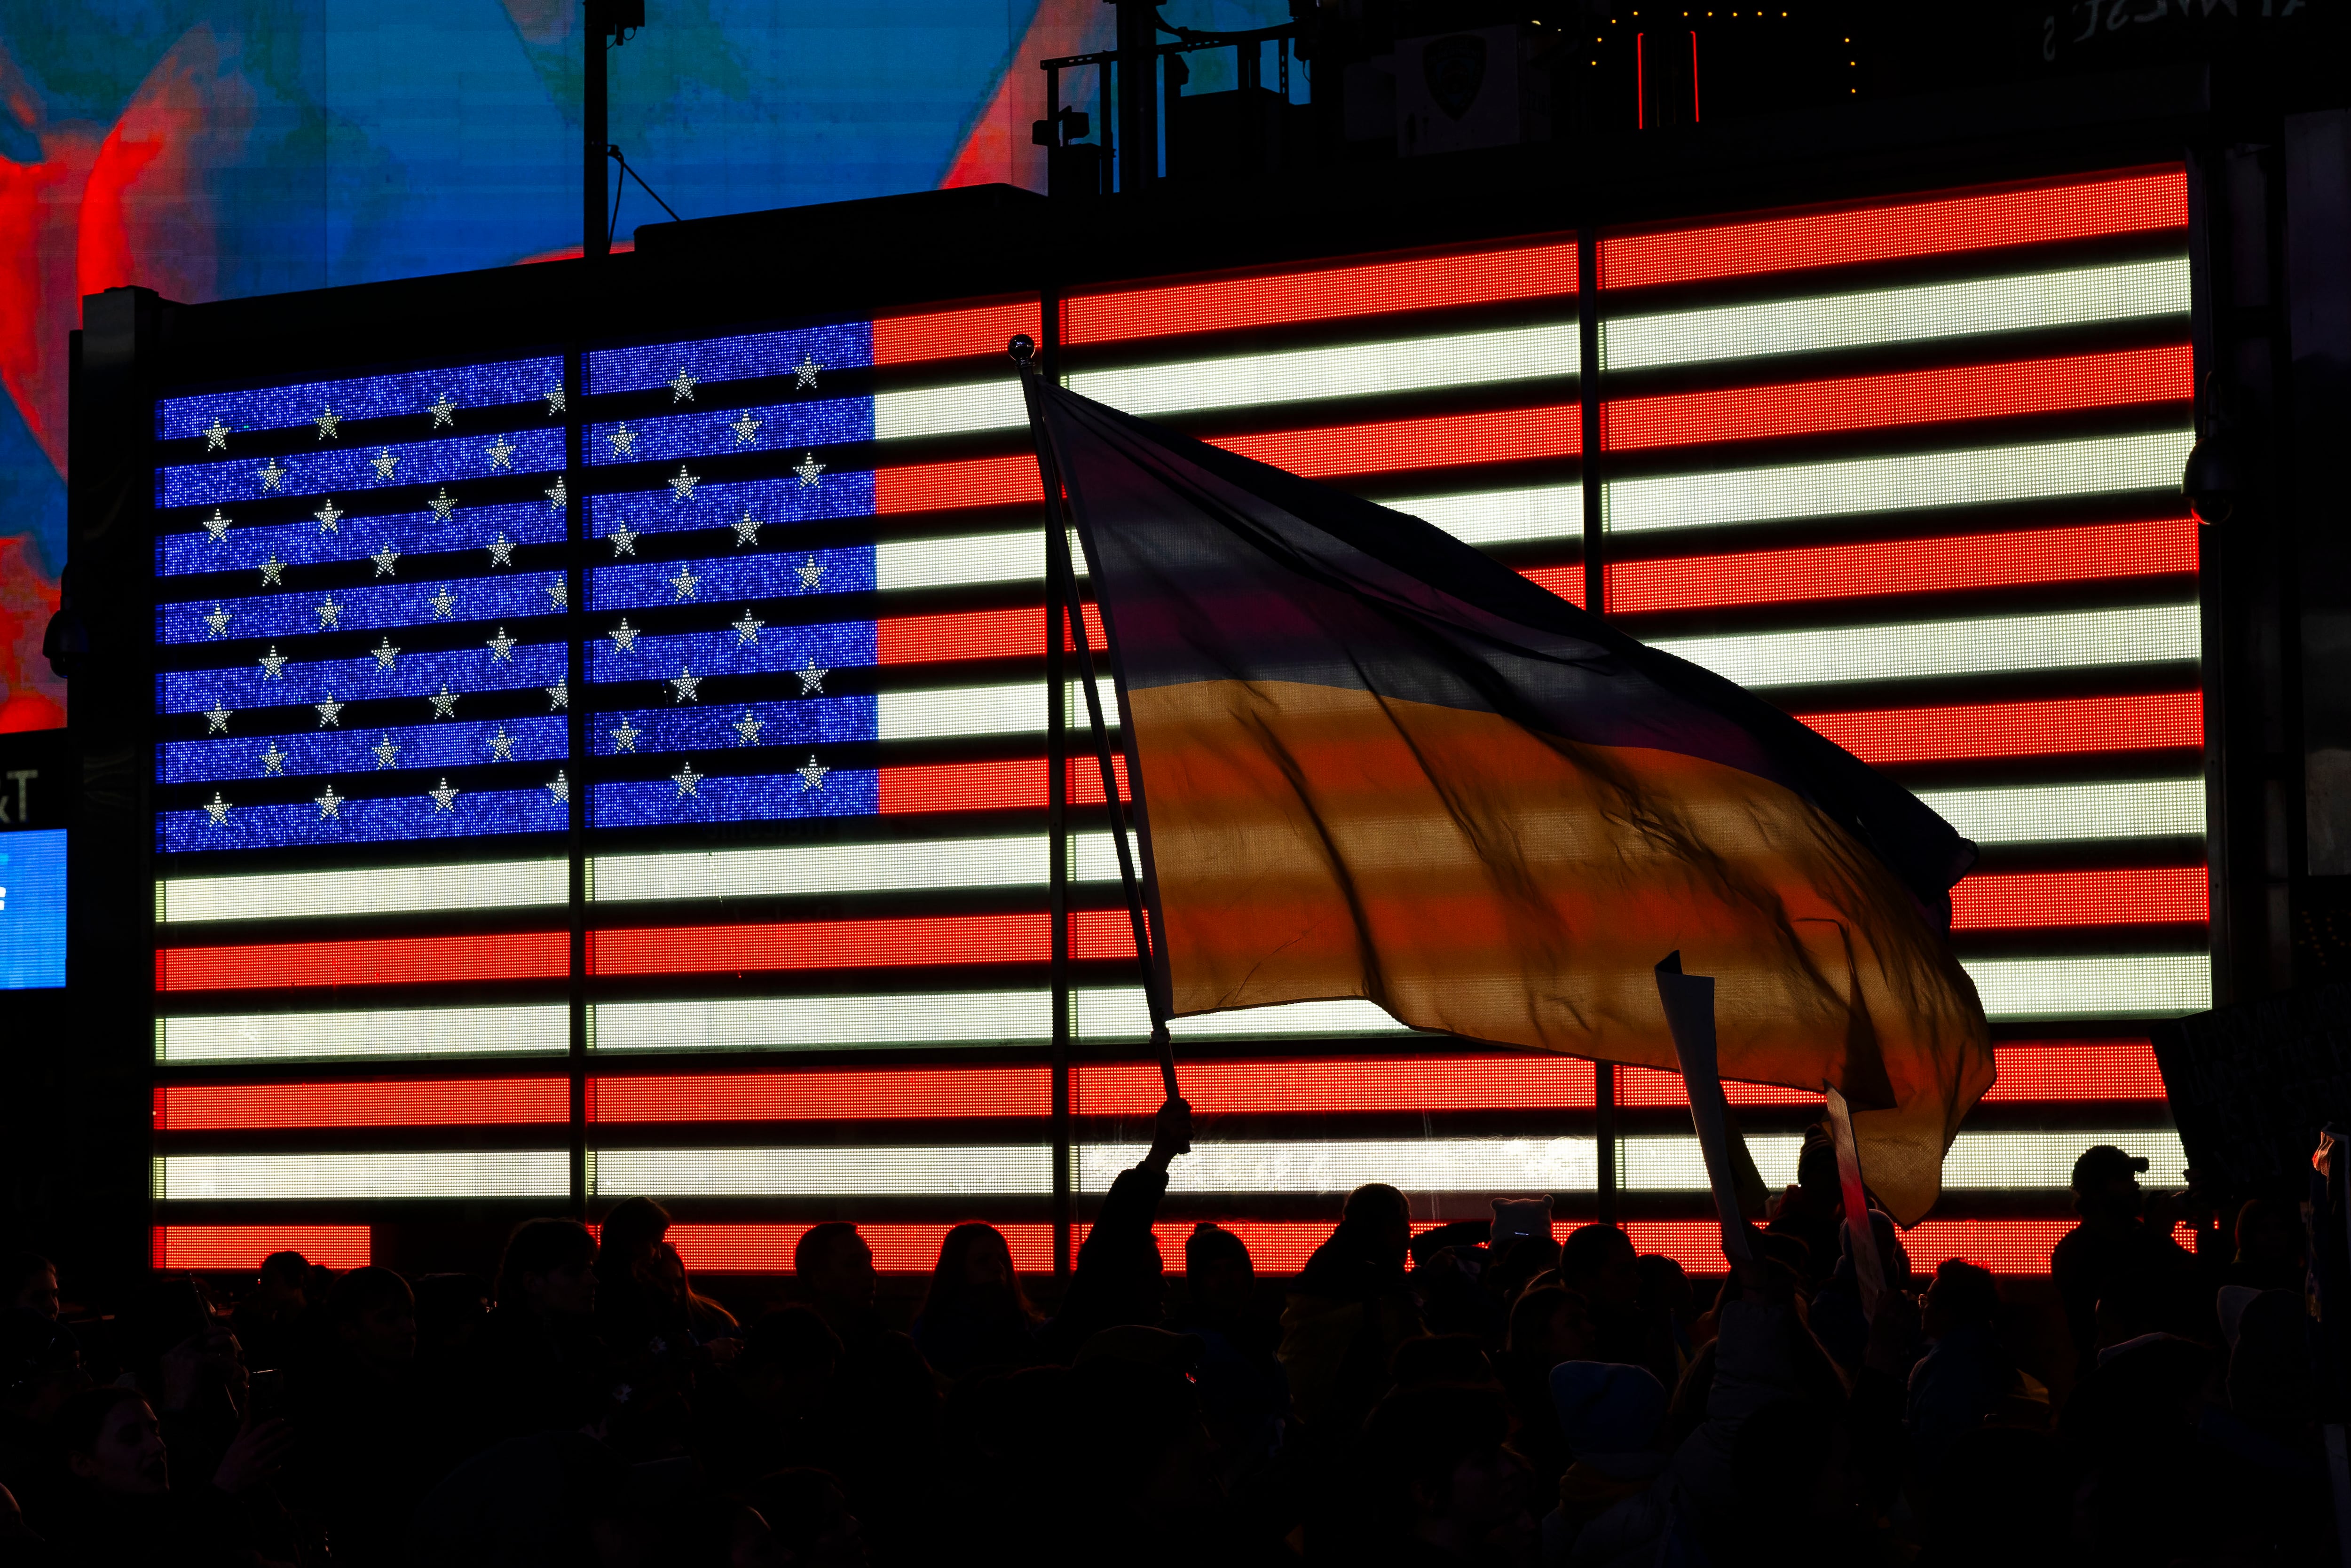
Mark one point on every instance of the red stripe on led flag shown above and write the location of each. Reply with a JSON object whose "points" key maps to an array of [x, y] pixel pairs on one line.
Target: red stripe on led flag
{"points": [[1323, 294], [2148, 896], [412, 1102], [242, 1247], [2132, 203], [854, 944], [970, 482], [1443, 441], [845, 1095], [2053, 728], [953, 334], [383, 961], [973, 634], [2093, 552], [1567, 581], [897, 1248], [1339, 1084], [1651, 1086], [1275, 1247], [2002, 1246], [990, 786], [2076, 1069], [1907, 397], [2057, 1071]]}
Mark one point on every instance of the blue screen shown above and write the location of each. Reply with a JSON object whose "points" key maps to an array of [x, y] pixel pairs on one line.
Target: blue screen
{"points": [[31, 910]]}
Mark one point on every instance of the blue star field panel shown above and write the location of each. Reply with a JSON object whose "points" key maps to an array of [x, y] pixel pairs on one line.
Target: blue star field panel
{"points": [[360, 610], [714, 694]]}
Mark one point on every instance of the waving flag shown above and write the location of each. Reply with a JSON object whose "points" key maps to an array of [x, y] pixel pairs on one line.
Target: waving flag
{"points": [[1374, 763]]}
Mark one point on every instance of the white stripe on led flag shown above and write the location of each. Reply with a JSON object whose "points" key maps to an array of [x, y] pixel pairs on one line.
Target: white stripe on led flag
{"points": [[807, 1023], [1997, 1160], [952, 410], [1976, 1161], [1977, 476], [1921, 650], [975, 1169], [2138, 985], [937, 713], [2031, 301], [804, 1023], [904, 866], [438, 1173], [1501, 517], [963, 559], [1119, 1013], [941, 711], [384, 1032], [1340, 1165], [388, 890], [2059, 813], [1347, 370]]}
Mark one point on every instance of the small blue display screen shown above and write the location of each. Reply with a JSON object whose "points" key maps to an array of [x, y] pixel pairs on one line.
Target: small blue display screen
{"points": [[31, 910]]}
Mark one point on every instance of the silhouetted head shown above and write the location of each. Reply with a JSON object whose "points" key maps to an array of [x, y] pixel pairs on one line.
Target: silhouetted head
{"points": [[835, 1267], [373, 1314], [111, 1442], [549, 1268]]}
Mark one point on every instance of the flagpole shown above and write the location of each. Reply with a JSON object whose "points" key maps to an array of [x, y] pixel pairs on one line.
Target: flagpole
{"points": [[1056, 882], [1061, 568]]}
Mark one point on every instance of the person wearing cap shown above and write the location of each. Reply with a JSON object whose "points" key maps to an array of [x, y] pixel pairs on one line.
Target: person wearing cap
{"points": [[2114, 1254]]}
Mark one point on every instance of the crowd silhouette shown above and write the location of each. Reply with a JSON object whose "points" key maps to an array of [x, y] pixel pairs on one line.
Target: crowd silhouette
{"points": [[1475, 1393]]}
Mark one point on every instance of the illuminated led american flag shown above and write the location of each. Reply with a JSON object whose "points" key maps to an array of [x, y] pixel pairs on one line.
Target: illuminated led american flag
{"points": [[1910, 468]]}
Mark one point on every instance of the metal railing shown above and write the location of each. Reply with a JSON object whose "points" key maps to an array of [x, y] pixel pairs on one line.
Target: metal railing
{"points": [[1063, 126]]}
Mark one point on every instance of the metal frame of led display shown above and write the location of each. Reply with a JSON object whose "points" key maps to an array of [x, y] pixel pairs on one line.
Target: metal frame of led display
{"points": [[751, 620]]}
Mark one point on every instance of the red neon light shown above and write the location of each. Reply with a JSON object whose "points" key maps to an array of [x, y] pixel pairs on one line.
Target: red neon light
{"points": [[846, 1096], [897, 1248], [1640, 113], [1321, 294], [2075, 1070], [2147, 896], [952, 334], [410, 1103], [241, 1248], [2013, 387], [1445, 441], [973, 634], [2079, 209], [2093, 552], [969, 482], [990, 786], [2055, 726], [854, 944], [380, 961]]}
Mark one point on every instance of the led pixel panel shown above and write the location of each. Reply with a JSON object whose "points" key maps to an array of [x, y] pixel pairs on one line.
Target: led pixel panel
{"points": [[32, 909], [359, 601]]}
